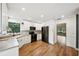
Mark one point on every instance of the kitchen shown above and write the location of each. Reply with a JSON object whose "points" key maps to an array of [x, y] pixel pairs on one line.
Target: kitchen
{"points": [[21, 26]]}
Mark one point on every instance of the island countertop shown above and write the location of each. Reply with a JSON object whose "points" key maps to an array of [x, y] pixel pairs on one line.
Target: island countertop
{"points": [[7, 36], [9, 41]]}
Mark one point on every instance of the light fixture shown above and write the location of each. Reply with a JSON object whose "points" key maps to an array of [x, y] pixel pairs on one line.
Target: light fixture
{"points": [[62, 16], [42, 16], [23, 9]]}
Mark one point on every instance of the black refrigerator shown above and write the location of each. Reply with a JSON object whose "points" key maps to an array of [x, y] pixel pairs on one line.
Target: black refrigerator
{"points": [[45, 34]]}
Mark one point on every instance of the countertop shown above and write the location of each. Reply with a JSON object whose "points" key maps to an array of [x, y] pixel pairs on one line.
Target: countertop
{"points": [[9, 41], [7, 36]]}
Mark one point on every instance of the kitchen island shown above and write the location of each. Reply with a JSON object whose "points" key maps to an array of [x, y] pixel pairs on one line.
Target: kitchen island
{"points": [[9, 46]]}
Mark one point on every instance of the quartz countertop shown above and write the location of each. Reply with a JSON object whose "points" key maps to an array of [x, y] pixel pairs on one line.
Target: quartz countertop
{"points": [[7, 36], [9, 41]]}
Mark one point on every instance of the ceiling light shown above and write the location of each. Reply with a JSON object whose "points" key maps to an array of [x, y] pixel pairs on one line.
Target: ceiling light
{"points": [[23, 9], [62, 16], [42, 16]]}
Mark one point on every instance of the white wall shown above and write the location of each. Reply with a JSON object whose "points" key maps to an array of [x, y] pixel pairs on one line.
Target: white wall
{"points": [[52, 30], [70, 30]]}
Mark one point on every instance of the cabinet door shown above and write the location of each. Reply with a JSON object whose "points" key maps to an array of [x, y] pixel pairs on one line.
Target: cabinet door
{"points": [[24, 40], [28, 39], [10, 52], [20, 40], [20, 43]]}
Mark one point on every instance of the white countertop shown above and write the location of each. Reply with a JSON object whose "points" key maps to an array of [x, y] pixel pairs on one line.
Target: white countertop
{"points": [[7, 44], [10, 42]]}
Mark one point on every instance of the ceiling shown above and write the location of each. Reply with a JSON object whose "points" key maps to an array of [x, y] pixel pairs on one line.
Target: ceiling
{"points": [[40, 12]]}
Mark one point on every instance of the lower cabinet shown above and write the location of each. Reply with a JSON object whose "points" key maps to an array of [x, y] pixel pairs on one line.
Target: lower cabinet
{"points": [[10, 52], [27, 39], [24, 40]]}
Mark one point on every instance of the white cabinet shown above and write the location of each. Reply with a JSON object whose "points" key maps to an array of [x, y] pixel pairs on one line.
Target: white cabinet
{"points": [[62, 40], [24, 40], [10, 52], [9, 47]]}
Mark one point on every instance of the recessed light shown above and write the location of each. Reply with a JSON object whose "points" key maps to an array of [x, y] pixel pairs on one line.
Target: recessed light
{"points": [[42, 16], [23, 9], [62, 16]]}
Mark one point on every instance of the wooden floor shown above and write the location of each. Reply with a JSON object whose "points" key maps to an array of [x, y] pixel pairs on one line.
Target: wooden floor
{"points": [[40, 48]]}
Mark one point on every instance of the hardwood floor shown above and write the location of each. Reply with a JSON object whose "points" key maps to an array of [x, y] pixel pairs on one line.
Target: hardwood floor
{"points": [[40, 48]]}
